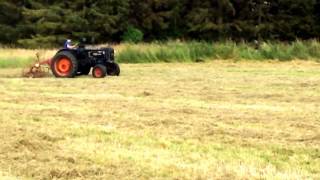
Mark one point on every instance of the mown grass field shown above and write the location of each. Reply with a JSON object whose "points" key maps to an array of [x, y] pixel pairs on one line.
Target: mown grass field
{"points": [[219, 120]]}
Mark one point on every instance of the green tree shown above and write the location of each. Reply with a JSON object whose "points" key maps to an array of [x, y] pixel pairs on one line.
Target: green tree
{"points": [[48, 22], [210, 19], [9, 17], [158, 19]]}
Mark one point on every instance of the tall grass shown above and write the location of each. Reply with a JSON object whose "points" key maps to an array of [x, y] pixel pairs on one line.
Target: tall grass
{"points": [[15, 62], [16, 58], [200, 51], [192, 51], [165, 52]]}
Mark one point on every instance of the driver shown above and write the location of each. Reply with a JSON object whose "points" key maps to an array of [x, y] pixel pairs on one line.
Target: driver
{"points": [[68, 44]]}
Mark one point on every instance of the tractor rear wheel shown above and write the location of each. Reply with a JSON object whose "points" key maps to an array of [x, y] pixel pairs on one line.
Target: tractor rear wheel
{"points": [[113, 69], [99, 71], [64, 65]]}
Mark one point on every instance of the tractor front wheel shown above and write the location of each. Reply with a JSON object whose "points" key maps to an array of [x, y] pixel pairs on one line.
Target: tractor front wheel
{"points": [[113, 69], [99, 71], [64, 65]]}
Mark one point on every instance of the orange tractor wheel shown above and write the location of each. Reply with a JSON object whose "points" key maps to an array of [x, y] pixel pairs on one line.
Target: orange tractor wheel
{"points": [[99, 71], [64, 65]]}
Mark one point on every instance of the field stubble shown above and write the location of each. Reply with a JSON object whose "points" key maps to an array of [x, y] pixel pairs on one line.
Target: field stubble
{"points": [[168, 121]]}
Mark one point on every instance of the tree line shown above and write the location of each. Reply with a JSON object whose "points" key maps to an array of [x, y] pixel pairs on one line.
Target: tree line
{"points": [[47, 22]]}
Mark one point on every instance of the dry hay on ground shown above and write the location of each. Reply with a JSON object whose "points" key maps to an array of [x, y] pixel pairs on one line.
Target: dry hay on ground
{"points": [[170, 121]]}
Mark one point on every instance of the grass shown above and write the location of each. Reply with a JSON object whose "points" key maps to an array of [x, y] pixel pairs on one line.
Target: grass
{"points": [[204, 51], [192, 51], [15, 58], [221, 120]]}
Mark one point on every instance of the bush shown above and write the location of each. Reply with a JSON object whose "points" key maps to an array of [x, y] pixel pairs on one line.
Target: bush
{"points": [[132, 35]]}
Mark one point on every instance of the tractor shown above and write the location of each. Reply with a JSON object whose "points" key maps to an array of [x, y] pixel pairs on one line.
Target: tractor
{"points": [[68, 63]]}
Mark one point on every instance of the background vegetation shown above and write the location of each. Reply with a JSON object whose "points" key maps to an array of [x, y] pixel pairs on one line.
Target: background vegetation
{"points": [[195, 51], [44, 23], [174, 51]]}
